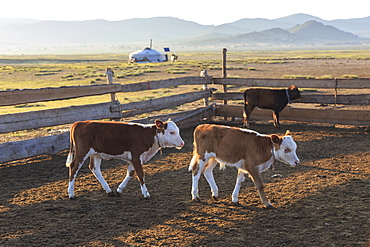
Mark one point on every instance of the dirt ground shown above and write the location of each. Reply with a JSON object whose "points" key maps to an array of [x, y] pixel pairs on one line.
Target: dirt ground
{"points": [[322, 202]]}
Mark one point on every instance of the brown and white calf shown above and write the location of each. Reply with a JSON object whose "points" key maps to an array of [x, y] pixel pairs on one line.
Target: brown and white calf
{"points": [[273, 99], [134, 143], [247, 150]]}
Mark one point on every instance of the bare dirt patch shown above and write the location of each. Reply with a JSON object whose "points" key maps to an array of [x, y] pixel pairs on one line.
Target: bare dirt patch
{"points": [[322, 202]]}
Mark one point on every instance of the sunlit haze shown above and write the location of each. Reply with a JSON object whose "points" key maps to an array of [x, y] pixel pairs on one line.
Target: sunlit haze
{"points": [[203, 12]]}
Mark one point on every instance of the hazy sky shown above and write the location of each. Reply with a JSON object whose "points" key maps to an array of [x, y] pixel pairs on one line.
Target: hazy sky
{"points": [[207, 12]]}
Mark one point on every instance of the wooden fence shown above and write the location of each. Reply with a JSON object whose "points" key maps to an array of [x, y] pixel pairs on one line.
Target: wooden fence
{"points": [[15, 150], [325, 115]]}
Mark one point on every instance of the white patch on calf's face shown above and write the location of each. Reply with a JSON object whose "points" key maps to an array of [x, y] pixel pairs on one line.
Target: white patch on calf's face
{"points": [[171, 136], [287, 151]]}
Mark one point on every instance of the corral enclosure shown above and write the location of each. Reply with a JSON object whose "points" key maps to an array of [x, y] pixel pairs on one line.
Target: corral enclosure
{"points": [[320, 203]]}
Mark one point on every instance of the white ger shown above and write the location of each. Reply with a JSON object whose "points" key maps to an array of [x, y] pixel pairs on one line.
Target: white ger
{"points": [[134, 143], [247, 150]]}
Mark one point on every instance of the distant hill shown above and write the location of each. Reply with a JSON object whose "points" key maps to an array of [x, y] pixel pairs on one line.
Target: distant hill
{"points": [[100, 31], [274, 36], [297, 19], [308, 33], [259, 24], [298, 29], [358, 26], [16, 21], [316, 31]]}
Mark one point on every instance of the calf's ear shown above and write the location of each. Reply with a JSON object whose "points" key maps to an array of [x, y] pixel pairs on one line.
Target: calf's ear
{"points": [[159, 124], [287, 133], [275, 139]]}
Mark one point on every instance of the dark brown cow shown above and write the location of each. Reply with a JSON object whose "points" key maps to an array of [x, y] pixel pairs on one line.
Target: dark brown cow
{"points": [[134, 143], [273, 99], [247, 150]]}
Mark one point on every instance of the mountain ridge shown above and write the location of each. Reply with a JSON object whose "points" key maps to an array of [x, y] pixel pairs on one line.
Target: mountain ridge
{"points": [[297, 29], [317, 30]]}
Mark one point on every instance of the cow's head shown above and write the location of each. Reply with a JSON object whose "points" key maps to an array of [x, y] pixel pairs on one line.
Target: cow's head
{"points": [[294, 92], [168, 134], [285, 149]]}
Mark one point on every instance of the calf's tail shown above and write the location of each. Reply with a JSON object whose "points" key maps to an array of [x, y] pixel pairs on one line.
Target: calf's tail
{"points": [[222, 166], [193, 162], [71, 152], [69, 159]]}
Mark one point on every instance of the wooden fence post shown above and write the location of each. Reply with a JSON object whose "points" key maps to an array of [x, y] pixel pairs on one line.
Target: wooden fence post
{"points": [[224, 73], [204, 73], [335, 93], [113, 99], [110, 74]]}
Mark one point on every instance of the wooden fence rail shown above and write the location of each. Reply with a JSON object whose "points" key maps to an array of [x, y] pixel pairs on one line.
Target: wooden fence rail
{"points": [[66, 115], [300, 83], [53, 144], [358, 99], [334, 116], [15, 97], [59, 116]]}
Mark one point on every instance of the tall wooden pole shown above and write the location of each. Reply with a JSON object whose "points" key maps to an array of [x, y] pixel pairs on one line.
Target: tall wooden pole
{"points": [[335, 93], [224, 63], [224, 74]]}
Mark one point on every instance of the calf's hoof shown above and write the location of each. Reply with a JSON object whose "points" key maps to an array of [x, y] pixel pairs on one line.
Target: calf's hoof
{"points": [[112, 194], [269, 207], [196, 200], [72, 198], [215, 198]]}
